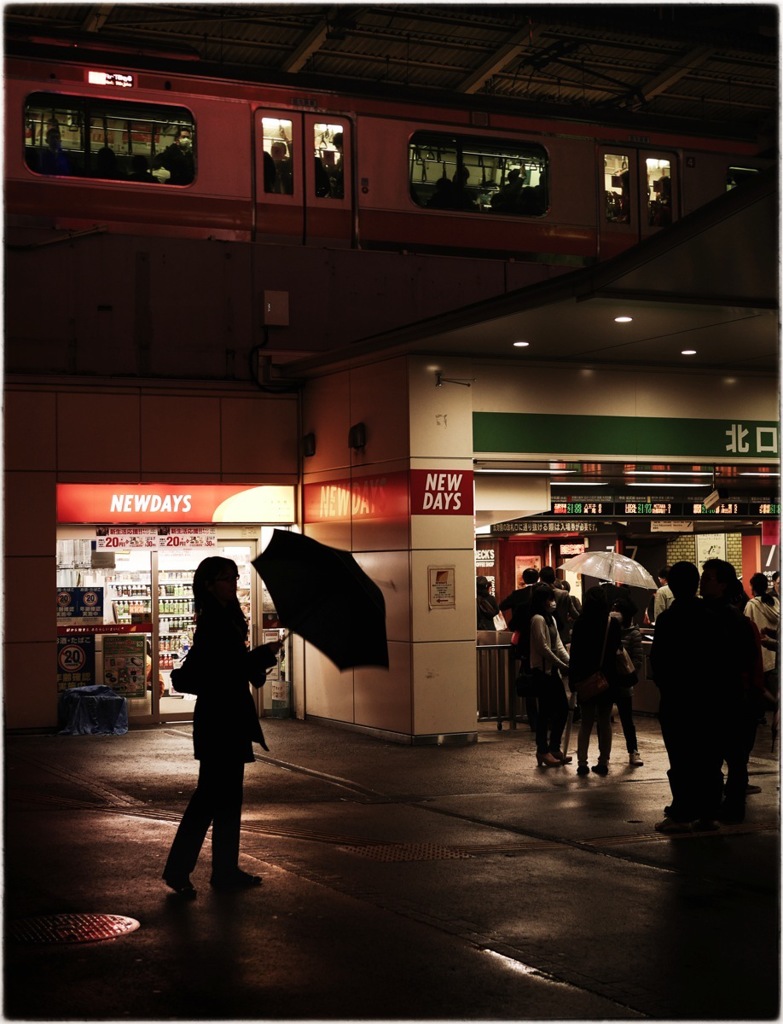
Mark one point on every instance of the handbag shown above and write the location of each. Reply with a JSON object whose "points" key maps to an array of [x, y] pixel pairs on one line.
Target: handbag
{"points": [[626, 673], [596, 683], [190, 676]]}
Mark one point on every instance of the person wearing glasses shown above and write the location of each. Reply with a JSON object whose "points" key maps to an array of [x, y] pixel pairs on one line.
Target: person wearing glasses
{"points": [[225, 727]]}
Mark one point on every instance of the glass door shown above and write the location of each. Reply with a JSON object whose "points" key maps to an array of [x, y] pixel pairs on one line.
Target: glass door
{"points": [[125, 615], [175, 611], [638, 195]]}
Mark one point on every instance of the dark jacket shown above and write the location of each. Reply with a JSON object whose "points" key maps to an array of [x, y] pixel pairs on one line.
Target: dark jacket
{"points": [[587, 639], [225, 720]]}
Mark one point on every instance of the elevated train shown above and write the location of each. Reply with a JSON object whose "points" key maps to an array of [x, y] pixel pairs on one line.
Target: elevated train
{"points": [[89, 140]]}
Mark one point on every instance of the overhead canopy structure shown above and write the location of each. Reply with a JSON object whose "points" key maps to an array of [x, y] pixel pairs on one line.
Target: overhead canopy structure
{"points": [[707, 283], [703, 67]]}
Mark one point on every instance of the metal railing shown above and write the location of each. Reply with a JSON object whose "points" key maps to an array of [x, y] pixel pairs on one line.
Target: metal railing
{"points": [[495, 676]]}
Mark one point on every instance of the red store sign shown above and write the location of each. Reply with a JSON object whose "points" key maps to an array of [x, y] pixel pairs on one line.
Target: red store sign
{"points": [[175, 503], [414, 492]]}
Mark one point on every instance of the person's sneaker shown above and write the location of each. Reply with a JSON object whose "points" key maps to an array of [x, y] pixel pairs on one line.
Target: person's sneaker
{"points": [[752, 789], [600, 769], [582, 770], [705, 825], [634, 760], [670, 827]]}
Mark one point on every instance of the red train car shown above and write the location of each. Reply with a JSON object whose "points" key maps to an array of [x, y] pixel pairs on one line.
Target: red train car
{"points": [[168, 151]]}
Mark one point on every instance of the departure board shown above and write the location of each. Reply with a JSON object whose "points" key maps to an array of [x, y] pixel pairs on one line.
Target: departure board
{"points": [[620, 507]]}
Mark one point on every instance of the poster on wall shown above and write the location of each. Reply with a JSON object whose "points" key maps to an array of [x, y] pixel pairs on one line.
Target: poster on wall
{"points": [[123, 663], [710, 545], [80, 603], [442, 587], [75, 661], [522, 562]]}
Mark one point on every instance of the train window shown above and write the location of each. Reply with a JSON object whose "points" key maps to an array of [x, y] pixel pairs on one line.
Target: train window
{"points": [[93, 138], [328, 147], [617, 188], [659, 191], [738, 175], [478, 175], [278, 155]]}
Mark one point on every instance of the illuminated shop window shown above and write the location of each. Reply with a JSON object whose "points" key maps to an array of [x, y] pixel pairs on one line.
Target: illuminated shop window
{"points": [[478, 175]]}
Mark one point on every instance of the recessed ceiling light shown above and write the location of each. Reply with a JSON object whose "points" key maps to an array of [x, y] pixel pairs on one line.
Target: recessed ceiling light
{"points": [[688, 352], [623, 319], [521, 344]]}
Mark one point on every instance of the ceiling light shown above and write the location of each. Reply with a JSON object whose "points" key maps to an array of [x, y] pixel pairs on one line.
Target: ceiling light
{"points": [[521, 344], [535, 472], [623, 319], [665, 472], [665, 487], [579, 483], [759, 474], [688, 352]]}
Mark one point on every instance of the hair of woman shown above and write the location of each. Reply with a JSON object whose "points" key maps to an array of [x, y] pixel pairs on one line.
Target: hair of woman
{"points": [[539, 601], [204, 600]]}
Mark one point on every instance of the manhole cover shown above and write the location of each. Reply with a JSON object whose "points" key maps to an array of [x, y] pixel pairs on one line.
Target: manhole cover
{"points": [[70, 928]]}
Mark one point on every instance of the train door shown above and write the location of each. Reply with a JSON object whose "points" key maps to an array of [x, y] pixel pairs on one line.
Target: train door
{"points": [[638, 195], [303, 189]]}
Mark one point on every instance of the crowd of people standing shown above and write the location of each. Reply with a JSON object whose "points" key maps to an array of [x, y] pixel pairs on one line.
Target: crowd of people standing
{"points": [[713, 659]]}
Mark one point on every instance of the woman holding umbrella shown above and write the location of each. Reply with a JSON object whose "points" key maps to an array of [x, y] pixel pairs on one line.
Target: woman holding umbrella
{"points": [[595, 639], [225, 726]]}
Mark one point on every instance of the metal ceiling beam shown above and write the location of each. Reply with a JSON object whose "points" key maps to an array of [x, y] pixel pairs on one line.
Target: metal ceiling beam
{"points": [[304, 51], [96, 19], [334, 21], [497, 61], [668, 77]]}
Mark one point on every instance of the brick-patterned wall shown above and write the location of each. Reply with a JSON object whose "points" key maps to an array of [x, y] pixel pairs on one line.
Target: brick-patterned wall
{"points": [[683, 549]]}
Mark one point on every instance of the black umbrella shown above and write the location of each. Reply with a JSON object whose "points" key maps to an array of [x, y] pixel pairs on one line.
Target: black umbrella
{"points": [[323, 594]]}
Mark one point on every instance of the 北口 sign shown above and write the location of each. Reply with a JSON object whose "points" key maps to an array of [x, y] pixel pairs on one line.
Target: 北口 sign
{"points": [[175, 503], [630, 436]]}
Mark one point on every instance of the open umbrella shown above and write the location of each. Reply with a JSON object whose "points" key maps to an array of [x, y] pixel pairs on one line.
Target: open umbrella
{"points": [[608, 565], [325, 596]]}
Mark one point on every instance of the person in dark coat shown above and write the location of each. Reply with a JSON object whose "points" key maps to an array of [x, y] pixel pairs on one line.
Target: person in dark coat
{"points": [[518, 604], [739, 676], [686, 657], [225, 727], [486, 605], [593, 631]]}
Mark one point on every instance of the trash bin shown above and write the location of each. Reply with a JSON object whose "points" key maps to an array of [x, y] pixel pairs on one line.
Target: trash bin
{"points": [[92, 710]]}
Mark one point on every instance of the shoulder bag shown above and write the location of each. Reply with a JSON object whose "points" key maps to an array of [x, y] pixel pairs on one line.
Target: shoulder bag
{"points": [[189, 677], [626, 673]]}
